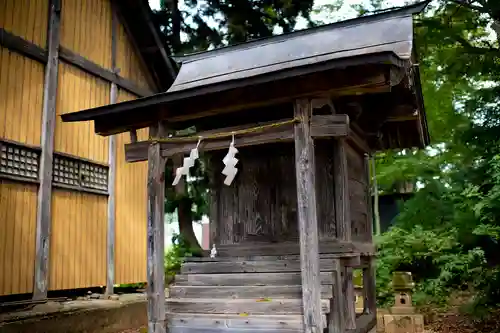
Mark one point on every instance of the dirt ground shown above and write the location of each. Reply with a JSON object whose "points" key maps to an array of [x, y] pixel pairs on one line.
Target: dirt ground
{"points": [[460, 323]]}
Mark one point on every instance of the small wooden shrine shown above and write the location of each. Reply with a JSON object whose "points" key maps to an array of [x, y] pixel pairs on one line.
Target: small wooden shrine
{"points": [[285, 126]]}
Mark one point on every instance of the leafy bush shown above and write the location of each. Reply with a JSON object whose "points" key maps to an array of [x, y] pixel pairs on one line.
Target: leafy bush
{"points": [[429, 241], [175, 254]]}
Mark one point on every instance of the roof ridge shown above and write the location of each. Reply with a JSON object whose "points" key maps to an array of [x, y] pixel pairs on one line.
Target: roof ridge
{"points": [[379, 16]]}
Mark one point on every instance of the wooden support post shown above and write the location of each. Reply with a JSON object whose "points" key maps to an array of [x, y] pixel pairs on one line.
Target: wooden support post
{"points": [[155, 241], [307, 217], [369, 274], [133, 136], [110, 258], [43, 217], [369, 288], [369, 201], [343, 216], [336, 319]]}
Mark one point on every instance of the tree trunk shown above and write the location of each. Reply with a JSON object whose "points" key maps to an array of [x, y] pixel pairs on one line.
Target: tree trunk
{"points": [[186, 223], [184, 213]]}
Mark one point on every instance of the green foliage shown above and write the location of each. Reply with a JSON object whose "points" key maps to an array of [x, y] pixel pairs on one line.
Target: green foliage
{"points": [[175, 254]]}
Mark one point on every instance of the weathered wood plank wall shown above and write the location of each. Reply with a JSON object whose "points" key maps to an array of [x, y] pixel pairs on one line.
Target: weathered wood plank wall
{"points": [[21, 98], [78, 240], [261, 204], [358, 196], [26, 19]]}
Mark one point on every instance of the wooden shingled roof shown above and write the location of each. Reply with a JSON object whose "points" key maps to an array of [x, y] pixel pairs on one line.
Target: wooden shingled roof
{"points": [[348, 53]]}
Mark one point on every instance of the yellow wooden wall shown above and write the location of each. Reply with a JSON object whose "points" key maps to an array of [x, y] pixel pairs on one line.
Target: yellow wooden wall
{"points": [[17, 237], [128, 61], [79, 220], [131, 207], [21, 94], [21, 97], [25, 18], [78, 240], [78, 90], [86, 29]]}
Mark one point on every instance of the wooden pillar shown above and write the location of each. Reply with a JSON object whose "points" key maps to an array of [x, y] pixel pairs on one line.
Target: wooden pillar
{"points": [[336, 317], [110, 257], [343, 216], [44, 216], [307, 217], [369, 273], [155, 241]]}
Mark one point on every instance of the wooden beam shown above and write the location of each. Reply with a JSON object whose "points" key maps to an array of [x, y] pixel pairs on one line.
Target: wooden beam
{"points": [[101, 72], [307, 217], [44, 216], [358, 143], [110, 258], [20, 45], [155, 242], [336, 125], [35, 52], [133, 136], [321, 127]]}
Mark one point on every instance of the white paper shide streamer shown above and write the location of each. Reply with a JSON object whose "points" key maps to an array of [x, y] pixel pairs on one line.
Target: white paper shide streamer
{"points": [[230, 161], [188, 163]]}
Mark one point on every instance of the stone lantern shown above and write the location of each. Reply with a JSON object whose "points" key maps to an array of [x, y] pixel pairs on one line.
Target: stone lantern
{"points": [[402, 317]]}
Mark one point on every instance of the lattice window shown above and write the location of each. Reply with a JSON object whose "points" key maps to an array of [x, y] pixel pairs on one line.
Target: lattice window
{"points": [[19, 161], [94, 176], [66, 171], [80, 174]]}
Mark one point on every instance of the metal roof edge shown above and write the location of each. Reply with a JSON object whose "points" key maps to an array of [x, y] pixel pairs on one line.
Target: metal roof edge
{"points": [[399, 11]]}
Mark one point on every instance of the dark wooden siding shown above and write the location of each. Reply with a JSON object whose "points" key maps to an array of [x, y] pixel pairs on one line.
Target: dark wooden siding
{"points": [[358, 195], [261, 204]]}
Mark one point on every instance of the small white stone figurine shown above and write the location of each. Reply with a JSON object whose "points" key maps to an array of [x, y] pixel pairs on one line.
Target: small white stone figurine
{"points": [[213, 253]]}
